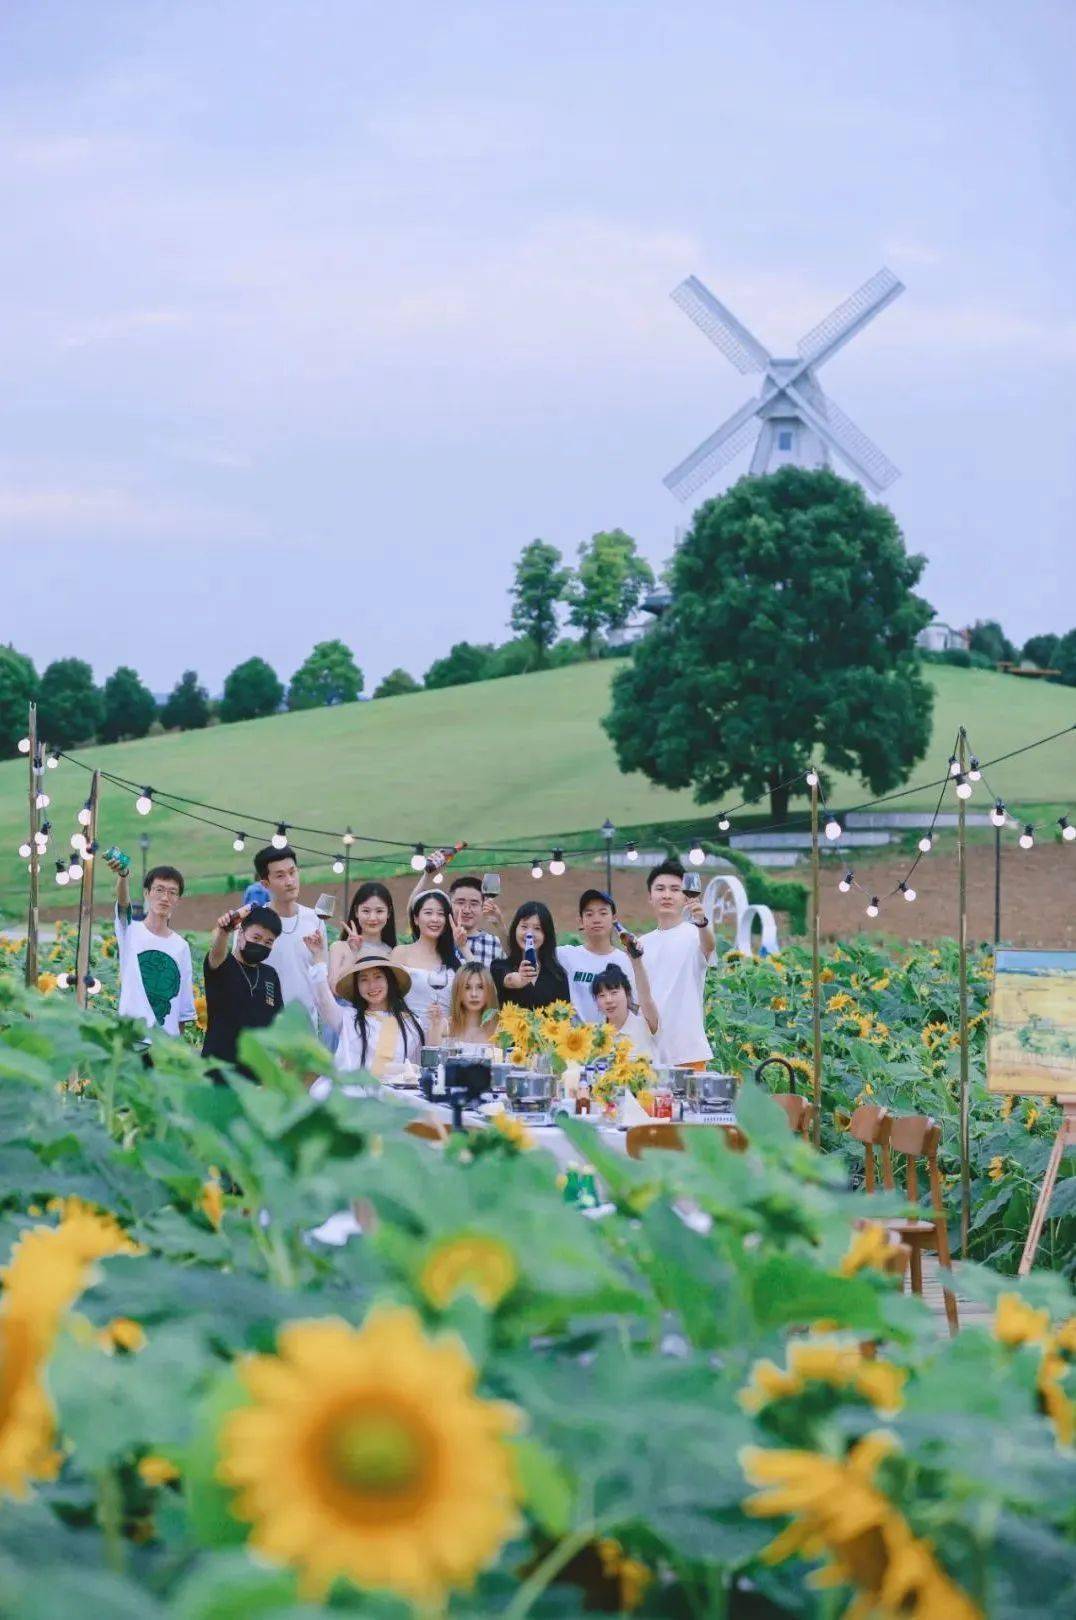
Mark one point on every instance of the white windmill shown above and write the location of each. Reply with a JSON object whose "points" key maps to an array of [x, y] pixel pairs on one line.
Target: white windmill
{"points": [[800, 425]]}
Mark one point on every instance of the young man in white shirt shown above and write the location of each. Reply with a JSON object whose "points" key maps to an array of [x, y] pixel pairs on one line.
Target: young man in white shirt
{"points": [[597, 919], [677, 953], [156, 976], [278, 869]]}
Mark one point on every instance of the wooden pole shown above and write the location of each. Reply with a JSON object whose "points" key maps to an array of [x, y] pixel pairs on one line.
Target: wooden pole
{"points": [[965, 1110], [33, 913], [816, 978], [85, 899]]}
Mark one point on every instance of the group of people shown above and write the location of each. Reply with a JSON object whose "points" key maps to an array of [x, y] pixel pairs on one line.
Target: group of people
{"points": [[376, 1000]]}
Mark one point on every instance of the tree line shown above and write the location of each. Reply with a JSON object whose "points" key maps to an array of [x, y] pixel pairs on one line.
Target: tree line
{"points": [[596, 598]]}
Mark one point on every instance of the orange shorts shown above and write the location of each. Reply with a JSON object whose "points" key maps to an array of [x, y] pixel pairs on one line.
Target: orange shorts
{"points": [[699, 1065]]}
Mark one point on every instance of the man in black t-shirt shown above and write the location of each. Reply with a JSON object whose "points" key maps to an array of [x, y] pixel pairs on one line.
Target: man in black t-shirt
{"points": [[242, 991]]}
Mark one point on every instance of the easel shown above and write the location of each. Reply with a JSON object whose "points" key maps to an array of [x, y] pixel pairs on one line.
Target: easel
{"points": [[1066, 1137]]}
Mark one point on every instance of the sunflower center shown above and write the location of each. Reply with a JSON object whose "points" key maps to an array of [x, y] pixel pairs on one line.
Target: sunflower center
{"points": [[377, 1454]]}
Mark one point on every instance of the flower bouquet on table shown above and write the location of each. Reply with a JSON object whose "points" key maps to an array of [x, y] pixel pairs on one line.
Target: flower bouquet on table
{"points": [[553, 1032]]}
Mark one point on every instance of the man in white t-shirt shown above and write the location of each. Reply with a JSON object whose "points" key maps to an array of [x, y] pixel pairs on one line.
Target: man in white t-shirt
{"points": [[677, 954], [597, 920], [156, 976], [278, 869]]}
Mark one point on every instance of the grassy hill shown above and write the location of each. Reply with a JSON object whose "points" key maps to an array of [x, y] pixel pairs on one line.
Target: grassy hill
{"points": [[522, 760]]}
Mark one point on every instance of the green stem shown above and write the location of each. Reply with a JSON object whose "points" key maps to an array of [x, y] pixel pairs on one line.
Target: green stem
{"points": [[110, 1518], [550, 1566]]}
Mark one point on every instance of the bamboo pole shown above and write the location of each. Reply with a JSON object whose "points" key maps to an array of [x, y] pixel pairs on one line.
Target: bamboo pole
{"points": [[816, 979], [85, 899], [965, 1117], [33, 913]]}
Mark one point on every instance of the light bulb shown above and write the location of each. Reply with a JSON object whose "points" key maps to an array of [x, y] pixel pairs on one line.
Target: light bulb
{"points": [[78, 841], [239, 843], [25, 851], [51, 760], [85, 815], [279, 839], [926, 844], [74, 869], [536, 870], [723, 823], [348, 838], [1027, 837], [964, 789], [833, 829], [418, 859], [1068, 831], [632, 853], [872, 909], [696, 854], [338, 865], [954, 765], [24, 745], [909, 894], [62, 875], [846, 882], [63, 981], [88, 853], [997, 815], [557, 866], [42, 843], [144, 802], [42, 801], [974, 769], [92, 985], [812, 778]]}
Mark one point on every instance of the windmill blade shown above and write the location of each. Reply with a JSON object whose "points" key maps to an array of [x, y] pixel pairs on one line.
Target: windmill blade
{"points": [[850, 317], [720, 326], [713, 453], [841, 434]]}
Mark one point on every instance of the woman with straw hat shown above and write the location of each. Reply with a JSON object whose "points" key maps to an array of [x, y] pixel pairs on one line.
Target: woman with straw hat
{"points": [[376, 1029]]}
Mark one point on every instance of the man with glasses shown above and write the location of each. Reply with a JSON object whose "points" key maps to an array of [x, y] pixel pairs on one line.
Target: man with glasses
{"points": [[156, 976]]}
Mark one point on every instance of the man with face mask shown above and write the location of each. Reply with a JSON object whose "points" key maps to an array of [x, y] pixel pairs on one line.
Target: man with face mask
{"points": [[242, 989]]}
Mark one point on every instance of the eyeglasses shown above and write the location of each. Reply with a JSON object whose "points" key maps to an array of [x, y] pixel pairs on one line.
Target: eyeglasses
{"points": [[159, 893]]}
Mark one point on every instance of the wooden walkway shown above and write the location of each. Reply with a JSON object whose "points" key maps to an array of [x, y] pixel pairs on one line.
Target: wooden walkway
{"points": [[971, 1312]]}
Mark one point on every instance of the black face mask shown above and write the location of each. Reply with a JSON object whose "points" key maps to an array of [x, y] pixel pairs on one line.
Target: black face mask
{"points": [[253, 953]]}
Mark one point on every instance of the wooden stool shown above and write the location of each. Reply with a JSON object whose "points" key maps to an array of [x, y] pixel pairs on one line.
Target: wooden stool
{"points": [[428, 1130], [799, 1112], [916, 1136]]}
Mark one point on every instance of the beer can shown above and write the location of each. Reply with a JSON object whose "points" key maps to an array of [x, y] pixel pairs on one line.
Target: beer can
{"points": [[663, 1104]]}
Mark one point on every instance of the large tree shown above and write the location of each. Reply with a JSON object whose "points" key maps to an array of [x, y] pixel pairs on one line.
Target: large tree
{"points": [[186, 707], [988, 638], [18, 688], [540, 584], [1040, 650], [608, 585], [1065, 658], [129, 707], [69, 706], [465, 662], [330, 675], [251, 691], [790, 639], [395, 684]]}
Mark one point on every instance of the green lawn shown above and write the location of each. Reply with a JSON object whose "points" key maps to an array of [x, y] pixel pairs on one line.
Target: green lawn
{"points": [[523, 758]]}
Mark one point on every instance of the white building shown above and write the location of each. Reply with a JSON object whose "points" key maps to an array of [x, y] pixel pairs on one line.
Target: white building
{"points": [[939, 637]]}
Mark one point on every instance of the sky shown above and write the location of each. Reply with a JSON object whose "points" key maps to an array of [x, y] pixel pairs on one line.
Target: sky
{"points": [[312, 314]]}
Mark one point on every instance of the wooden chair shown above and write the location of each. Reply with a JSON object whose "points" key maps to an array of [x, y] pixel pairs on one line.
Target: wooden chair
{"points": [[866, 1126], [641, 1137], [428, 1130], [916, 1136], [799, 1111]]}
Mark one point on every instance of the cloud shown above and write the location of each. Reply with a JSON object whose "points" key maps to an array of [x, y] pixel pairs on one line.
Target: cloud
{"points": [[86, 511]]}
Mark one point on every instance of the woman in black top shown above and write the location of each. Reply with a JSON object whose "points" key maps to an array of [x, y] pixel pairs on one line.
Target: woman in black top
{"points": [[521, 981]]}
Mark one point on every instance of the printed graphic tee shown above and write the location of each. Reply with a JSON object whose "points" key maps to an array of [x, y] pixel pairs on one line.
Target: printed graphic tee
{"points": [[581, 964], [156, 976]]}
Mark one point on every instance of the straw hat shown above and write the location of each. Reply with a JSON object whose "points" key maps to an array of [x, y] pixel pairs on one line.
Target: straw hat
{"points": [[369, 956]]}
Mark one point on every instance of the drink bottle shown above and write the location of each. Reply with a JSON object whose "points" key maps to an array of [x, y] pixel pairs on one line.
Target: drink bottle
{"points": [[530, 954]]}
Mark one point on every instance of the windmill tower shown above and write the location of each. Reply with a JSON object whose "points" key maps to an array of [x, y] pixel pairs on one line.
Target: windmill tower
{"points": [[796, 424]]}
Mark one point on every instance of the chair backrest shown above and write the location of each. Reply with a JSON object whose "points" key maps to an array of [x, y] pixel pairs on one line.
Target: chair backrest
{"points": [[915, 1136], [641, 1137], [867, 1125], [798, 1110], [429, 1130]]}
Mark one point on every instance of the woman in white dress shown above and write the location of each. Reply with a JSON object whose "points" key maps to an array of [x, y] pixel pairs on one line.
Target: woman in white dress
{"points": [[611, 989], [365, 1006], [437, 948]]}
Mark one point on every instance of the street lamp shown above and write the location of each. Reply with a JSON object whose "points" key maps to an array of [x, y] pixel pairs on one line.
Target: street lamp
{"points": [[143, 844], [608, 831]]}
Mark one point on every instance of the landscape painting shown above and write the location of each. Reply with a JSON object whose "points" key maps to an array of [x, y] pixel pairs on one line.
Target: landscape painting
{"points": [[1033, 1023]]}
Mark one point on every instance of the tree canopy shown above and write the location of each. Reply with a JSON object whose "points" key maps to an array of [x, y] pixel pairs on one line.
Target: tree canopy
{"points": [[1040, 650], [251, 691], [790, 639], [987, 637], [608, 584], [395, 684], [540, 585], [129, 708], [186, 707], [465, 662], [69, 705], [329, 675], [18, 688]]}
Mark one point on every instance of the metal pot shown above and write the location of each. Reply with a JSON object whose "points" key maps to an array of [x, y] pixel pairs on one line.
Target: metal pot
{"points": [[528, 1091], [710, 1090]]}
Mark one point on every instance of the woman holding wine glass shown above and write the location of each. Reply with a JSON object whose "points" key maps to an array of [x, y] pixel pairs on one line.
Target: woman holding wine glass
{"points": [[472, 1010], [437, 947]]}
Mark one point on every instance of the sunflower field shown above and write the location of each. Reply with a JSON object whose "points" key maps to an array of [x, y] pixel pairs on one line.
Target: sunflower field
{"points": [[713, 1400]]}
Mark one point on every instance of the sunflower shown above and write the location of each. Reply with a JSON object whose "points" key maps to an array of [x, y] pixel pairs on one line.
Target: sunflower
{"points": [[601, 1038], [515, 1026], [1057, 1405], [1016, 1323], [870, 1246], [211, 1202], [201, 1015], [779, 1003], [468, 1263], [47, 982], [366, 1453], [839, 1002], [841, 1365], [838, 1511], [573, 1043], [154, 1470], [122, 1334], [513, 1130], [26, 1422], [631, 1574], [996, 1167]]}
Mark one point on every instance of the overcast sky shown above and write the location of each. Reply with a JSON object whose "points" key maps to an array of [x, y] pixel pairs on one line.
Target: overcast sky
{"points": [[313, 313]]}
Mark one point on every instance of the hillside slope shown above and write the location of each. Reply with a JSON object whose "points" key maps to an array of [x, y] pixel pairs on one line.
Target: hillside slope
{"points": [[522, 757]]}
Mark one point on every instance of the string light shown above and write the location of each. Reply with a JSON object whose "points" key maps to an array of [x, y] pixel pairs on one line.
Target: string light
{"points": [[279, 839], [418, 859], [974, 769], [89, 852], [239, 843], [723, 823], [63, 981], [833, 829], [1027, 837], [42, 801], [144, 802], [908, 893], [1068, 831], [24, 745], [438, 877], [812, 779], [51, 760], [997, 815], [632, 853], [348, 839], [338, 865], [85, 815], [696, 854], [536, 868], [557, 866], [872, 909], [78, 841], [62, 875], [92, 985], [926, 844], [846, 882], [74, 869], [25, 851], [964, 788], [954, 765]]}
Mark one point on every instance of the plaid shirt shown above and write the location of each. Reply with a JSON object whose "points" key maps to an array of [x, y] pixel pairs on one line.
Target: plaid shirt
{"points": [[485, 948]]}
